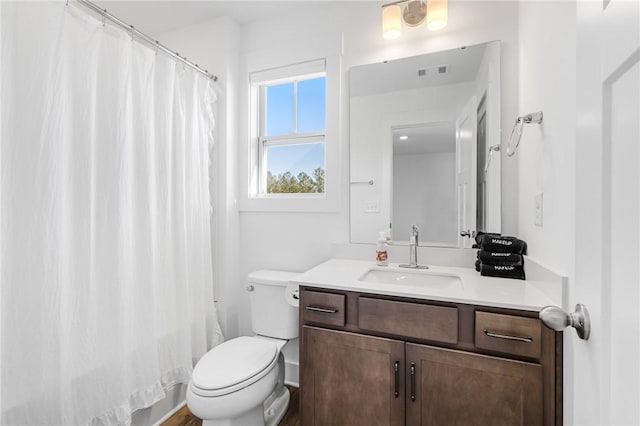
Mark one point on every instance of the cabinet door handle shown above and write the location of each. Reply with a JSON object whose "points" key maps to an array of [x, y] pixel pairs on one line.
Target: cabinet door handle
{"points": [[321, 309], [507, 337], [396, 370], [413, 382]]}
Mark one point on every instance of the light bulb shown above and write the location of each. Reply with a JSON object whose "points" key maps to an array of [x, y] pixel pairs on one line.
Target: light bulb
{"points": [[437, 13], [391, 21]]}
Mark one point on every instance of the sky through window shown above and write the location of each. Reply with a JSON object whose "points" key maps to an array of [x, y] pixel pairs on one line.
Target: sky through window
{"points": [[280, 120]]}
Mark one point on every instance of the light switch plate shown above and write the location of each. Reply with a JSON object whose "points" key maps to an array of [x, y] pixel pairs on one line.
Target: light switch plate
{"points": [[372, 207], [537, 209]]}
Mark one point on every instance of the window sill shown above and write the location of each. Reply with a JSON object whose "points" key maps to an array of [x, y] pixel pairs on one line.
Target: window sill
{"points": [[302, 203]]}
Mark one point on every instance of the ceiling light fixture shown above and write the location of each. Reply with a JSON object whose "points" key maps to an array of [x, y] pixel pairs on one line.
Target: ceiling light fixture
{"points": [[413, 13], [404, 137]]}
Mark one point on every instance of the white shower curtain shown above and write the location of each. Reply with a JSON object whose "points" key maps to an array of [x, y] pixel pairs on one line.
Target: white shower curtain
{"points": [[105, 264]]}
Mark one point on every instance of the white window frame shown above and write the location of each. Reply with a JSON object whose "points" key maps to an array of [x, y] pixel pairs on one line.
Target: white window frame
{"points": [[293, 138], [267, 66]]}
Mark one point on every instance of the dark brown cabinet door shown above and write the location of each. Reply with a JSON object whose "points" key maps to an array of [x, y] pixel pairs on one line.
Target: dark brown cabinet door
{"points": [[449, 387], [351, 379]]}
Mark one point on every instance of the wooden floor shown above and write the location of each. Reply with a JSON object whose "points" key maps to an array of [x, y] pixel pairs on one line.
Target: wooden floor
{"points": [[183, 417], [292, 417]]}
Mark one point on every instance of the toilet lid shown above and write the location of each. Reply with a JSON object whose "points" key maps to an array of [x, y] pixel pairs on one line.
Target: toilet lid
{"points": [[233, 362]]}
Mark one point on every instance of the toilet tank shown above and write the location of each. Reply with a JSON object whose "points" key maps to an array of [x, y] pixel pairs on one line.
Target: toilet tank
{"points": [[273, 314]]}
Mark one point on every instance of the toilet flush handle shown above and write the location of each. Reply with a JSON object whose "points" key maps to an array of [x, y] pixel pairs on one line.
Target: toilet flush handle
{"points": [[250, 287]]}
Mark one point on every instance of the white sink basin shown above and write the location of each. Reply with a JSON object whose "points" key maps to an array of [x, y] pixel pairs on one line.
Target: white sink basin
{"points": [[413, 278]]}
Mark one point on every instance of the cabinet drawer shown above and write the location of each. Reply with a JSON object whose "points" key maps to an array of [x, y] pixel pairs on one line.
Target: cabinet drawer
{"points": [[323, 308], [508, 334], [428, 322]]}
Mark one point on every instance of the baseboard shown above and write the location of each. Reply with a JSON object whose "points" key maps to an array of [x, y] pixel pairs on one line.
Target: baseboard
{"points": [[171, 413]]}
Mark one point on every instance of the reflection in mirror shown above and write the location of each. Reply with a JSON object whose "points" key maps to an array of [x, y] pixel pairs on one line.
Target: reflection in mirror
{"points": [[424, 177], [426, 130]]}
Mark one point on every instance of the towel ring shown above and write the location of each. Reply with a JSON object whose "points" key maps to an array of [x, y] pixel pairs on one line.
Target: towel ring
{"points": [[535, 117]]}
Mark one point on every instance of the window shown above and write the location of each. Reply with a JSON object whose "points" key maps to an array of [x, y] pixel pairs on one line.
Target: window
{"points": [[290, 159], [291, 131]]}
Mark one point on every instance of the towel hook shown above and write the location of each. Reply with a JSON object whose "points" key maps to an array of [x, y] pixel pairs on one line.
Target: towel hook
{"points": [[535, 117], [362, 182]]}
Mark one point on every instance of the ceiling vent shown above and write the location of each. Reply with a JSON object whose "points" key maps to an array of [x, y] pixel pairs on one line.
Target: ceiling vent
{"points": [[438, 69]]}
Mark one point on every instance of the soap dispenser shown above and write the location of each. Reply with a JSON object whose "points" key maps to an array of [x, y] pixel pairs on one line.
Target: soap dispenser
{"points": [[382, 258]]}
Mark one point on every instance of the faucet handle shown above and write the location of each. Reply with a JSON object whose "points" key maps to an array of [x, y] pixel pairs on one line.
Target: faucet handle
{"points": [[414, 234]]}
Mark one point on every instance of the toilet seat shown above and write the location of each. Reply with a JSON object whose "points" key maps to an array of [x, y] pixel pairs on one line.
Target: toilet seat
{"points": [[233, 365]]}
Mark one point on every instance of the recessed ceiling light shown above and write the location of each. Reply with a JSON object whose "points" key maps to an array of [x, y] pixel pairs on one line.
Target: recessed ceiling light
{"points": [[404, 137]]}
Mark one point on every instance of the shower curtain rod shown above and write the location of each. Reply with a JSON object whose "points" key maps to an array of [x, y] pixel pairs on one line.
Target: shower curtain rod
{"points": [[143, 36]]}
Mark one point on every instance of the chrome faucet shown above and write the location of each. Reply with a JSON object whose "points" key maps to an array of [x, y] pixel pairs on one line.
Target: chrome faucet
{"points": [[413, 250], [413, 246]]}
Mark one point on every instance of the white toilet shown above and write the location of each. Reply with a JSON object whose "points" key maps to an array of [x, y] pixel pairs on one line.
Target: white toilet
{"points": [[241, 381]]}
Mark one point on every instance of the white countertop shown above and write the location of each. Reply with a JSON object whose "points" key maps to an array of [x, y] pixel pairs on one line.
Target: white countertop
{"points": [[344, 274]]}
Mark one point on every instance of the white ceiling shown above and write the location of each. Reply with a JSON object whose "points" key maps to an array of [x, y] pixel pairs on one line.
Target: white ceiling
{"points": [[425, 139], [157, 17]]}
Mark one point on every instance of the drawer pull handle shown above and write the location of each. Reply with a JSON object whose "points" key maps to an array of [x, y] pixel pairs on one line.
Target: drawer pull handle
{"points": [[321, 309], [507, 337], [413, 382], [396, 370]]}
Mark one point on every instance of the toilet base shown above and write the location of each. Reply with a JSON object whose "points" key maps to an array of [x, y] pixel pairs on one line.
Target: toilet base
{"points": [[275, 407], [268, 414], [254, 417]]}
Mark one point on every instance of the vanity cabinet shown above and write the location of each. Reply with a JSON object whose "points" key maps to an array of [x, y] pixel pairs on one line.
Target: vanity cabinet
{"points": [[377, 360], [449, 387], [351, 379]]}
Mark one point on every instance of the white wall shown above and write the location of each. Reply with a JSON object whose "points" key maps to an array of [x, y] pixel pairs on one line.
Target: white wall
{"points": [[547, 152], [427, 183], [546, 156]]}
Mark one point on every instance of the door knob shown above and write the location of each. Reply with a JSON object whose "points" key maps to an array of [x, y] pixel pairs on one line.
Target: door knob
{"points": [[465, 233], [557, 319]]}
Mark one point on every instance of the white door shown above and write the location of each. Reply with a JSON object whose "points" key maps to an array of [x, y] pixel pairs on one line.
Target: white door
{"points": [[602, 384], [466, 164]]}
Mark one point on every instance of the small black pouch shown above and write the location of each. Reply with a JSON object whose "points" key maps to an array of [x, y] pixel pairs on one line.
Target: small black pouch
{"points": [[502, 271], [497, 244], [498, 258], [479, 237]]}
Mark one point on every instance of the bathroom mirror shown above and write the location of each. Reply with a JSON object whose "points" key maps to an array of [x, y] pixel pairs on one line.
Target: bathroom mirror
{"points": [[425, 146]]}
